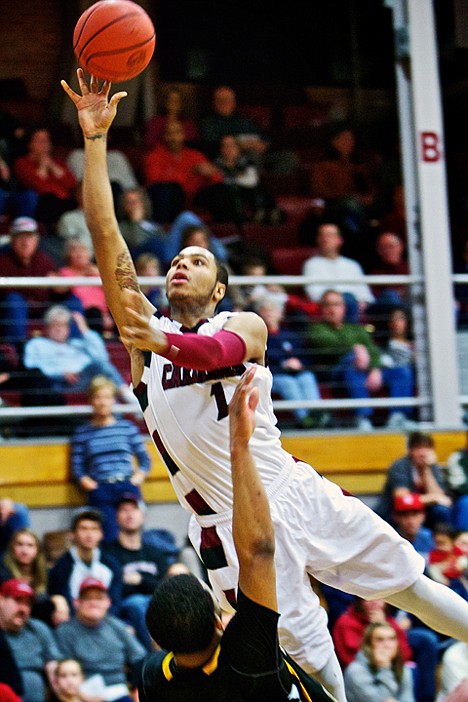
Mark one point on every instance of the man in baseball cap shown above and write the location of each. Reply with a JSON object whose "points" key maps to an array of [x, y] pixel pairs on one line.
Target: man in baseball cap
{"points": [[22, 225], [408, 515], [30, 641]]}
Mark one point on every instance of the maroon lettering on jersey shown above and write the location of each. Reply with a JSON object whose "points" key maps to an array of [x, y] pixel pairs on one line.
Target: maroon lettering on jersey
{"points": [[177, 376]]}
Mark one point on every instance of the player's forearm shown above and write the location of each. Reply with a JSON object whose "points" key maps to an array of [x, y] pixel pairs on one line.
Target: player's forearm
{"points": [[97, 193]]}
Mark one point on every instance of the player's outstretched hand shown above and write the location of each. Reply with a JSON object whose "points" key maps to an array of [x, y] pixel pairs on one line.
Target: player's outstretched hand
{"points": [[95, 111], [242, 409], [138, 332]]}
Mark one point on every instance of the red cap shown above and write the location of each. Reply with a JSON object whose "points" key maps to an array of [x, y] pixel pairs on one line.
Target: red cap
{"points": [[408, 502], [90, 582], [16, 588]]}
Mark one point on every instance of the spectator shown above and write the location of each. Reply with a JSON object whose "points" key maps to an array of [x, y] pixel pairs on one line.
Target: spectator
{"points": [[32, 645], [224, 119], [71, 363], [399, 352], [408, 517], [329, 267], [136, 224], [85, 559], [457, 480], [79, 264], [20, 202], [289, 361], [24, 559], [391, 261], [346, 354], [454, 674], [417, 472], [121, 173], [143, 565], [415, 643], [378, 673], [447, 561], [101, 642], [172, 111], [178, 231], [13, 516], [176, 173], [68, 680], [108, 455], [243, 197], [148, 265], [256, 265], [49, 177], [72, 224], [23, 258], [345, 180]]}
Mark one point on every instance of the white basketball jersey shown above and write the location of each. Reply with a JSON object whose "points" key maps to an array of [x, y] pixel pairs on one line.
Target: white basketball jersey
{"points": [[186, 412]]}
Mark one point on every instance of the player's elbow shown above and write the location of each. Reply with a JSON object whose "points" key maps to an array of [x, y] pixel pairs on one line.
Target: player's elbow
{"points": [[263, 547]]}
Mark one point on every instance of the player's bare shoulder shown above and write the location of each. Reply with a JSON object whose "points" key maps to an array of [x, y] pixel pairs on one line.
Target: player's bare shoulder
{"points": [[251, 327]]}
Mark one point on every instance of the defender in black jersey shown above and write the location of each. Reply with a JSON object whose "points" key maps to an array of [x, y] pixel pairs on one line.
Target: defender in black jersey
{"points": [[199, 661]]}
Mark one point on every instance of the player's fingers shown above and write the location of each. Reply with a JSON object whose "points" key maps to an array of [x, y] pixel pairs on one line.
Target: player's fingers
{"points": [[71, 93], [254, 398], [94, 85], [82, 83], [115, 99]]}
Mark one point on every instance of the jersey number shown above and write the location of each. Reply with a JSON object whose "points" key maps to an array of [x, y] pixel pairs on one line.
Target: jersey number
{"points": [[217, 391]]}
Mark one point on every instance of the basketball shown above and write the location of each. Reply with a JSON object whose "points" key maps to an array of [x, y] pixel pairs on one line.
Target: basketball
{"points": [[114, 40]]}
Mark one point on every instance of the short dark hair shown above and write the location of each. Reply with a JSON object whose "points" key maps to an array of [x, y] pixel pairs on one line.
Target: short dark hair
{"points": [[93, 515], [181, 615], [418, 439]]}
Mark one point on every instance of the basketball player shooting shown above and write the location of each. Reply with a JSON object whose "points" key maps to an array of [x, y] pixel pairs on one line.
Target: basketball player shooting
{"points": [[184, 372]]}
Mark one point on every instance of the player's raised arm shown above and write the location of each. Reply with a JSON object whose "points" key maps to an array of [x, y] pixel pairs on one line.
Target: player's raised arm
{"points": [[96, 113], [252, 528]]}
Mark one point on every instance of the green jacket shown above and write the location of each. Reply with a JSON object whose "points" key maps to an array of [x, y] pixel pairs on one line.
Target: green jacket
{"points": [[330, 344]]}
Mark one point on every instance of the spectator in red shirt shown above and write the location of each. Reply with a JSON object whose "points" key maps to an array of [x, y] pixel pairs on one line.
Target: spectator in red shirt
{"points": [[172, 111], [22, 257], [46, 175], [175, 174]]}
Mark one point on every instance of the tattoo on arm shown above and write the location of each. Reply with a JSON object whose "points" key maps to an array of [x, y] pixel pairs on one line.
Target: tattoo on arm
{"points": [[96, 136], [125, 274]]}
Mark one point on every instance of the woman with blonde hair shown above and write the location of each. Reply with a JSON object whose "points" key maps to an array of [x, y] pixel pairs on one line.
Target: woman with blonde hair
{"points": [[25, 559], [378, 673]]}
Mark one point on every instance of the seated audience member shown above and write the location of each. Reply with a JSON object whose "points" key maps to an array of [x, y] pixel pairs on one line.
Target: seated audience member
{"points": [[143, 565], [454, 674], [148, 265], [79, 264], [136, 224], [121, 173], [399, 352], [49, 177], [242, 197], [378, 672], [346, 354], [178, 230], [172, 110], [102, 644], [20, 202], [225, 119], [345, 180], [329, 267], [415, 643], [408, 519], [289, 361], [250, 295], [30, 641], [85, 559], [176, 173], [108, 455], [72, 224], [417, 472], [22, 257], [391, 261], [447, 560], [24, 559], [68, 680], [70, 363], [457, 480], [13, 516]]}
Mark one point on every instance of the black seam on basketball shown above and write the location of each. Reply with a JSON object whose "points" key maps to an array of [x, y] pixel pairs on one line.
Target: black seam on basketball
{"points": [[84, 25], [116, 52], [102, 29]]}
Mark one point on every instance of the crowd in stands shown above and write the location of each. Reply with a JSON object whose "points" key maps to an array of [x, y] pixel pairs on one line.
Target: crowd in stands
{"points": [[219, 173], [78, 618]]}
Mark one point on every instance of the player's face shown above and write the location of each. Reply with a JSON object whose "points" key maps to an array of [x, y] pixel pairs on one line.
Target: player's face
{"points": [[192, 277]]}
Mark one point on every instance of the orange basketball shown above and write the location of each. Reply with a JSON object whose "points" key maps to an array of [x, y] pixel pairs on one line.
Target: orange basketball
{"points": [[114, 40]]}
